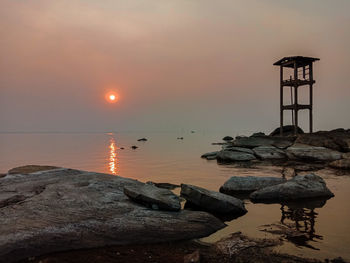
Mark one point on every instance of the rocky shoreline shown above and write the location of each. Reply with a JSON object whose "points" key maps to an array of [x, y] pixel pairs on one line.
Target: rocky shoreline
{"points": [[52, 210]]}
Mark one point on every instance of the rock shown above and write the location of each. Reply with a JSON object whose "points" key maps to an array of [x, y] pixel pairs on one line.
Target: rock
{"points": [[288, 172], [341, 164], [209, 154], [30, 169], [150, 195], [338, 139], [180, 138], [244, 184], [252, 142], [142, 140], [233, 156], [121, 148], [269, 152], [211, 201], [227, 138], [212, 157], [299, 187], [346, 155], [258, 134], [2, 175], [312, 153], [134, 147], [194, 257], [164, 185], [288, 130], [67, 209], [236, 149]]}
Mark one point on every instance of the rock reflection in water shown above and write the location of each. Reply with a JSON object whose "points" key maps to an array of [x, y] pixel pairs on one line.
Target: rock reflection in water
{"points": [[297, 223]]}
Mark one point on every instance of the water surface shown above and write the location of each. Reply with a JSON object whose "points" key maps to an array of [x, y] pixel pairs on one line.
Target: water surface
{"points": [[164, 158]]}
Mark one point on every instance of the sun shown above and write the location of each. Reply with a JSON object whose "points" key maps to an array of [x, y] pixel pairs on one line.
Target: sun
{"points": [[112, 97]]}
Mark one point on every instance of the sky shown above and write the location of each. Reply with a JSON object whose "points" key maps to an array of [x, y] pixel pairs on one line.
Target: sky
{"points": [[175, 65]]}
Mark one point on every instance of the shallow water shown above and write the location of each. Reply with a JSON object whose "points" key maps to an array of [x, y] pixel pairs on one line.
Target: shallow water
{"points": [[163, 158]]}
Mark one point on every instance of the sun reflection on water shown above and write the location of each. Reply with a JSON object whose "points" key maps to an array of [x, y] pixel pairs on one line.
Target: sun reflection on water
{"points": [[113, 160]]}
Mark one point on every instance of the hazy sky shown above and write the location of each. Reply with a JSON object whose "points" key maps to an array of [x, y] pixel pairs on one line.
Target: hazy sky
{"points": [[179, 64]]}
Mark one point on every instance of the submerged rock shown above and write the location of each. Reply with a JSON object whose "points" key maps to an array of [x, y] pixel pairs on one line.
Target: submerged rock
{"points": [[134, 147], [246, 184], [153, 196], [299, 187], [312, 153], [142, 140], [269, 152], [233, 156], [65, 209], [212, 201]]}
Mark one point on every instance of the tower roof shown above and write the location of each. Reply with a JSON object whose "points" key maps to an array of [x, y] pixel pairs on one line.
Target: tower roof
{"points": [[289, 61]]}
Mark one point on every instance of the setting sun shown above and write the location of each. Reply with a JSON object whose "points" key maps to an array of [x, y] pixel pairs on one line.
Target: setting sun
{"points": [[112, 97]]}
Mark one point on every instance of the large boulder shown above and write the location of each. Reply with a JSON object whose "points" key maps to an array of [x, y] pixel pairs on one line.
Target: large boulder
{"points": [[312, 153], [211, 201], [299, 187], [288, 130], [233, 156], [153, 197], [269, 153], [247, 184], [338, 139], [341, 164], [256, 141], [65, 209]]}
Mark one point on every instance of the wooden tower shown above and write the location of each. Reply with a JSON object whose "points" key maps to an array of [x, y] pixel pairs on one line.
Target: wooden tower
{"points": [[301, 69]]}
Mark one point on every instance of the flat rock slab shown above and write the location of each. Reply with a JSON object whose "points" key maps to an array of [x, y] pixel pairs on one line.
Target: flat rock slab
{"points": [[153, 197], [234, 156], [212, 201], [299, 187], [65, 209], [269, 153], [247, 184], [312, 153]]}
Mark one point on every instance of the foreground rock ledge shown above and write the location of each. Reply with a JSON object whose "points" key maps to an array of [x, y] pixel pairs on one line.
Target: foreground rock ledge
{"points": [[65, 209]]}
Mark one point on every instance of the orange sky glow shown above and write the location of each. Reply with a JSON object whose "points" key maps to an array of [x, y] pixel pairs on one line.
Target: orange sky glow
{"points": [[172, 64]]}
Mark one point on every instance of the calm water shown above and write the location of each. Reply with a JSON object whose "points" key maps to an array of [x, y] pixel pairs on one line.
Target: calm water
{"points": [[165, 159]]}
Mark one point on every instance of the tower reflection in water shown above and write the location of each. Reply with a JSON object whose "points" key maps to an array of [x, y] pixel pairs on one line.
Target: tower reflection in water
{"points": [[113, 157], [297, 223]]}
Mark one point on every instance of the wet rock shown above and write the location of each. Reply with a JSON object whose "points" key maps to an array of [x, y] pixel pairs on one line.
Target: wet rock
{"points": [[233, 156], [299, 187], [269, 152], [227, 138], [134, 147], [209, 154], [341, 164], [153, 196], [142, 140], [244, 184], [212, 201], [67, 209], [312, 153]]}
